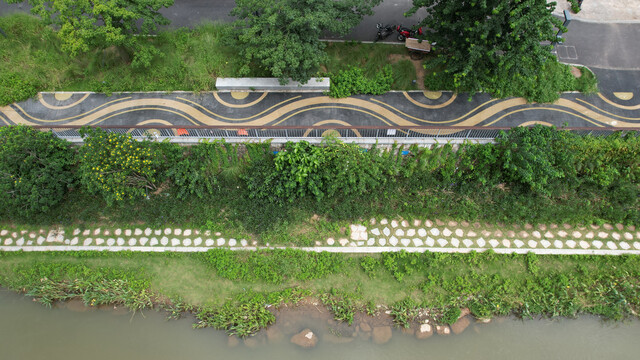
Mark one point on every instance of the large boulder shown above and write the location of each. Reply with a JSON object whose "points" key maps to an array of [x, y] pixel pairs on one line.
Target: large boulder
{"points": [[381, 334], [306, 339], [364, 326], [424, 331], [459, 326]]}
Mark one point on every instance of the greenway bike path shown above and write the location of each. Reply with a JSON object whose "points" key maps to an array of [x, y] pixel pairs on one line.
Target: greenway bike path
{"points": [[264, 109]]}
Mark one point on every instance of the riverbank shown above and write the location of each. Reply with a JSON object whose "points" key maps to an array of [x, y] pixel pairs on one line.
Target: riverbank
{"points": [[238, 291]]}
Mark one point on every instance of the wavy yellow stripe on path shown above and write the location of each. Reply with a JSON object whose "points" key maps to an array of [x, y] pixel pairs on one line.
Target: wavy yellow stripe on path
{"points": [[606, 112], [436, 122], [54, 107], [215, 95], [542, 108], [324, 122], [154, 121], [238, 119], [72, 117], [624, 107], [147, 108], [592, 114], [490, 111], [439, 106]]}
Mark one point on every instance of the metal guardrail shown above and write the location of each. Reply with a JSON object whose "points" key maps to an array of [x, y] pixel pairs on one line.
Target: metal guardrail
{"points": [[315, 134]]}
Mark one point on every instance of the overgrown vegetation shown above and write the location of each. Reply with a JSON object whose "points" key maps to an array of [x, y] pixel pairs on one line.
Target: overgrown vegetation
{"points": [[529, 175], [242, 300]]}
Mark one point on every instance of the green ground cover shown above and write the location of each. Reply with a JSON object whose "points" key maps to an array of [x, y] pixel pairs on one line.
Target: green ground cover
{"points": [[190, 60], [222, 286], [309, 193]]}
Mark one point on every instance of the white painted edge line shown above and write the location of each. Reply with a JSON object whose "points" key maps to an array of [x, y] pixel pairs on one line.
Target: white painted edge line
{"points": [[331, 249]]}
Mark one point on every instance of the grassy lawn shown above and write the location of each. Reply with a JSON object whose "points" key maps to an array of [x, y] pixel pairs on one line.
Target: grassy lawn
{"points": [[191, 61], [488, 283]]}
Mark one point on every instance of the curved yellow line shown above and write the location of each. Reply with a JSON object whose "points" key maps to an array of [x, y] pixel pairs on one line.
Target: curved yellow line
{"points": [[72, 117], [592, 114], [439, 106], [435, 122], [624, 107], [340, 122], [606, 112], [535, 122], [541, 108], [331, 107], [238, 119], [147, 108], [215, 95], [54, 107], [155, 121], [13, 116]]}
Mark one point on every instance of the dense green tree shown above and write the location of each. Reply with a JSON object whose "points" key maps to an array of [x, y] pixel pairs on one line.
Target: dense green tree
{"points": [[35, 170], [283, 36], [487, 45], [98, 24]]}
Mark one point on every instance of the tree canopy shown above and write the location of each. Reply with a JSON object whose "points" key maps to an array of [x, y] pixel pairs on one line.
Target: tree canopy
{"points": [[283, 36], [487, 43], [97, 24]]}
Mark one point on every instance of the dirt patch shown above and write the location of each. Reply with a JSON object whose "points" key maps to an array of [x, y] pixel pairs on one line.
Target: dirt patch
{"points": [[417, 64], [576, 72]]}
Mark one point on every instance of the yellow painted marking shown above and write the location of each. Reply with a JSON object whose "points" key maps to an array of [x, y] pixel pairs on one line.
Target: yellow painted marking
{"points": [[238, 119], [72, 117], [155, 121], [439, 106], [13, 115], [529, 123], [239, 95], [541, 108], [624, 107], [433, 95], [592, 114], [331, 107], [606, 112], [435, 122], [490, 111], [215, 95], [62, 96], [623, 95], [324, 122], [147, 108]]}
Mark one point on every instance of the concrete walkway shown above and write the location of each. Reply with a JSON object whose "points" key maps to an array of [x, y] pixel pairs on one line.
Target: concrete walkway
{"points": [[374, 237]]}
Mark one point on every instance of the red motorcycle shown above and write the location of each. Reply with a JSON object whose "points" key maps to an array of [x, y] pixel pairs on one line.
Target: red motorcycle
{"points": [[405, 32]]}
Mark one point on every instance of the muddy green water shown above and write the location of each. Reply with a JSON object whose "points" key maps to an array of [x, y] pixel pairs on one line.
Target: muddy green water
{"points": [[30, 331]]}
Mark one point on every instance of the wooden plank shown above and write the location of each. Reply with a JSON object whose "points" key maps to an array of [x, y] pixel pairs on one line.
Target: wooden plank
{"points": [[415, 44]]}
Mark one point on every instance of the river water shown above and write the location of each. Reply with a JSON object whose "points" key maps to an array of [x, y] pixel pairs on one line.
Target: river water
{"points": [[29, 330]]}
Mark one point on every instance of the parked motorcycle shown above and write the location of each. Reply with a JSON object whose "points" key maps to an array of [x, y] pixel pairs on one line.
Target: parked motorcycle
{"points": [[383, 31], [405, 32]]}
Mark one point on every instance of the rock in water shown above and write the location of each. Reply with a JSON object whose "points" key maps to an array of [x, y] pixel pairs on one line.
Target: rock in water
{"points": [[424, 331], [306, 339], [381, 334], [459, 326]]}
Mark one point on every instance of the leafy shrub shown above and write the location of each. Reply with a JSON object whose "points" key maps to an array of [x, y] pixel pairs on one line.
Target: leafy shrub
{"points": [[35, 170], [352, 81], [369, 265], [116, 166], [536, 157], [202, 168], [14, 88]]}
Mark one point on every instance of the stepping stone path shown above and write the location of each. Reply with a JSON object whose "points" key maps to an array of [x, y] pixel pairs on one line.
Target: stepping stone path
{"points": [[390, 234]]}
